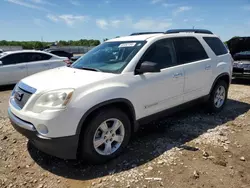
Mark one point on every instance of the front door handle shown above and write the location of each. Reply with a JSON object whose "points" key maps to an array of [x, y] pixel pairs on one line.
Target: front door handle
{"points": [[208, 67], [46, 65]]}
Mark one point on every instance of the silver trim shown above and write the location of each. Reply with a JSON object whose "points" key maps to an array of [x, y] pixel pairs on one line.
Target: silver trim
{"points": [[20, 122], [14, 104], [27, 88]]}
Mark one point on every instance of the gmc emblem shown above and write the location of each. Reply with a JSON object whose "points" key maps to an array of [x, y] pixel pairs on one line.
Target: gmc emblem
{"points": [[18, 95]]}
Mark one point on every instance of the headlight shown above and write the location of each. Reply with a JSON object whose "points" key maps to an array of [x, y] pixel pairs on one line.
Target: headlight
{"points": [[57, 99]]}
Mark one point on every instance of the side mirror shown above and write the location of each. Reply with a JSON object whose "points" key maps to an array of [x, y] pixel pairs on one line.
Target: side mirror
{"points": [[1, 63], [148, 66]]}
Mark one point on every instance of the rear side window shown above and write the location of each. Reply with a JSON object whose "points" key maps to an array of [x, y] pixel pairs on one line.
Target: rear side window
{"points": [[216, 45], [162, 52], [36, 57], [189, 49]]}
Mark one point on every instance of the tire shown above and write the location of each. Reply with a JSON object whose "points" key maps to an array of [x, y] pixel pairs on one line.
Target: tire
{"points": [[214, 106], [94, 131]]}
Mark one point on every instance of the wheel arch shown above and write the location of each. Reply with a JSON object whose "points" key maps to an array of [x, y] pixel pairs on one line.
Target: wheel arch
{"points": [[224, 76], [124, 104]]}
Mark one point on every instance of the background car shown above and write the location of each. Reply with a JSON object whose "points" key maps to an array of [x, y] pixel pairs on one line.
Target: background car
{"points": [[15, 65], [240, 50], [74, 58], [60, 53]]}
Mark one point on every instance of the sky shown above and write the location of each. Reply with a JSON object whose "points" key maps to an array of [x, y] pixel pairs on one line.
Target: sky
{"points": [[53, 20]]}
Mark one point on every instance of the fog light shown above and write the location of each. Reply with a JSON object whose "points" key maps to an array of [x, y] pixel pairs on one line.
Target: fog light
{"points": [[42, 129]]}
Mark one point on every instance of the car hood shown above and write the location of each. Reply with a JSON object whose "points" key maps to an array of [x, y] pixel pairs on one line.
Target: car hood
{"points": [[238, 44], [64, 77]]}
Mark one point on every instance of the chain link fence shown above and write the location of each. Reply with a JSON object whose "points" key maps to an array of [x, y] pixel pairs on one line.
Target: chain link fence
{"points": [[10, 48]]}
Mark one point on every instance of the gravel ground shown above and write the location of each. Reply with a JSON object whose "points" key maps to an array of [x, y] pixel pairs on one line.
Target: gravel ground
{"points": [[189, 149]]}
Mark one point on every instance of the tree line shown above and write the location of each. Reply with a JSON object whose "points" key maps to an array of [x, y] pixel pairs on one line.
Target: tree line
{"points": [[41, 45]]}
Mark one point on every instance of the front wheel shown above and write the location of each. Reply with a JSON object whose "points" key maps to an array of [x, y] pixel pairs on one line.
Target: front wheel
{"points": [[218, 97], [106, 135]]}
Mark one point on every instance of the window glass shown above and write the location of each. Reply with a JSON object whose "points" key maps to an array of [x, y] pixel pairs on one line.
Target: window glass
{"points": [[110, 57], [162, 53], [189, 49], [36, 57], [216, 45], [13, 59]]}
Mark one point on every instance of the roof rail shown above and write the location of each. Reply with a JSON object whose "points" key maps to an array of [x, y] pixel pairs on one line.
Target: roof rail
{"points": [[188, 31], [145, 33]]}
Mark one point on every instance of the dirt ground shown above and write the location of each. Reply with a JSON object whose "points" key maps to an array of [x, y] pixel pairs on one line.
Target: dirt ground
{"points": [[189, 149]]}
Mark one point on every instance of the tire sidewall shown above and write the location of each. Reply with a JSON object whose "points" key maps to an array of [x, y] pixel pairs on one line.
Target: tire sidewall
{"points": [[88, 151], [211, 101]]}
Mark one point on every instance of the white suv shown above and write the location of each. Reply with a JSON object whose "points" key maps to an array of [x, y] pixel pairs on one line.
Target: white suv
{"points": [[91, 109]]}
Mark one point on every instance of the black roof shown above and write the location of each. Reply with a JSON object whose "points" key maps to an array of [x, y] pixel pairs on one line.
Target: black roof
{"points": [[145, 33], [204, 31]]}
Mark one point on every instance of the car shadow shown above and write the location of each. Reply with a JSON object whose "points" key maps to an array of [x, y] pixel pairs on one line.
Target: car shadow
{"points": [[7, 87], [151, 141]]}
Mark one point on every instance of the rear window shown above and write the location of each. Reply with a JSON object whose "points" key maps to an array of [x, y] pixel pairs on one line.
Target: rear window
{"points": [[189, 49], [216, 45]]}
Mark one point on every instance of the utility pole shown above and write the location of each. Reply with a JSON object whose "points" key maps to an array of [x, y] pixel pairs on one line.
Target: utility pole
{"points": [[193, 27]]}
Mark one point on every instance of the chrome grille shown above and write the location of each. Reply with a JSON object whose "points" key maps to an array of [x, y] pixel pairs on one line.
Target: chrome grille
{"points": [[21, 95]]}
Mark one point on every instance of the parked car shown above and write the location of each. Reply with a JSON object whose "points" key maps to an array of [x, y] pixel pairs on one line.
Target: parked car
{"points": [[16, 65], [240, 50], [60, 53], [74, 58], [91, 109]]}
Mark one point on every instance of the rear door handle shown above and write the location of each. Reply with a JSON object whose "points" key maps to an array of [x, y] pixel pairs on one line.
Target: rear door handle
{"points": [[208, 67], [46, 65], [22, 67], [177, 75]]}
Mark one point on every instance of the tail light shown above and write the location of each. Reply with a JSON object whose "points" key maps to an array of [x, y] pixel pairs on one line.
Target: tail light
{"points": [[67, 61]]}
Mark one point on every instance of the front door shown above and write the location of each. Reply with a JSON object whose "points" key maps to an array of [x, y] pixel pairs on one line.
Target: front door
{"points": [[13, 69], [156, 92]]}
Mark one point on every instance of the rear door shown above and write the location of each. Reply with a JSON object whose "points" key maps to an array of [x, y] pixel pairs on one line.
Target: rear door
{"points": [[37, 62], [13, 69], [197, 67]]}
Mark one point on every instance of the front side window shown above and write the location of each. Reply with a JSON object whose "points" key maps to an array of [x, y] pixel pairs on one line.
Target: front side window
{"points": [[189, 49], [13, 59], [216, 45], [110, 57], [162, 52]]}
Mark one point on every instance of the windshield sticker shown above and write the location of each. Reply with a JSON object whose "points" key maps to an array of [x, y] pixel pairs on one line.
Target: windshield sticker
{"points": [[127, 45]]}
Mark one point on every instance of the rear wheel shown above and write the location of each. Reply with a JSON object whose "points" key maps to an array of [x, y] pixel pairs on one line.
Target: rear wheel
{"points": [[218, 97], [106, 135]]}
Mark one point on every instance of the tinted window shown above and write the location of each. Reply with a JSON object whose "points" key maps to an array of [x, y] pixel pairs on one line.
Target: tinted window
{"points": [[162, 53], [13, 59], [36, 57], [189, 49], [61, 53], [216, 45]]}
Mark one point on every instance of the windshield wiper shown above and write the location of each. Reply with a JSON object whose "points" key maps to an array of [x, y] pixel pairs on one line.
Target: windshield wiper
{"points": [[91, 69]]}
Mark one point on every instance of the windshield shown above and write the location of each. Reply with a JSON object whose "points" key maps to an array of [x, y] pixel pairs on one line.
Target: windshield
{"points": [[110, 56]]}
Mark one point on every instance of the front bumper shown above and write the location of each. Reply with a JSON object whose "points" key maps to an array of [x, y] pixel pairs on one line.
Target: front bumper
{"points": [[241, 73], [62, 147]]}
